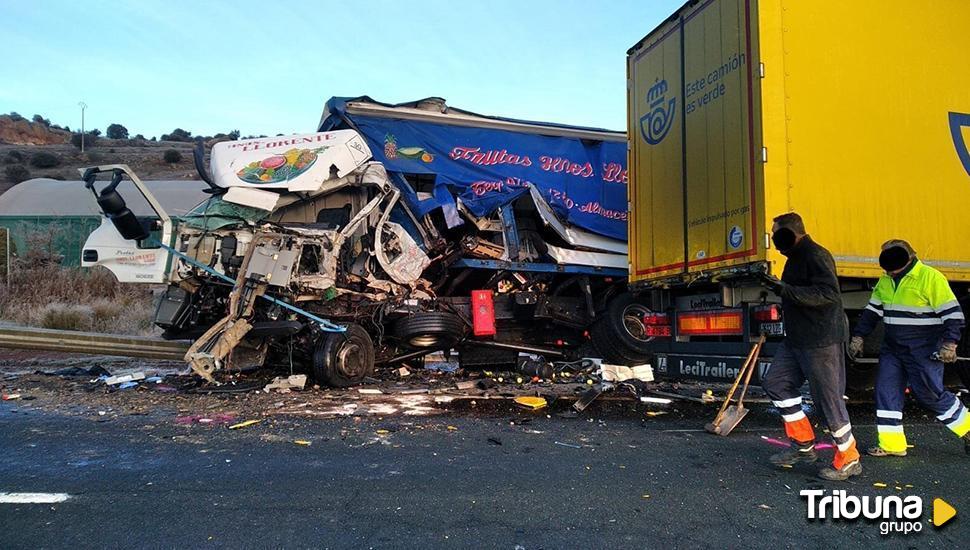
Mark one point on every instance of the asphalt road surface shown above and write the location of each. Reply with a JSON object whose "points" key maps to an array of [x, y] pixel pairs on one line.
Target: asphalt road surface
{"points": [[499, 478]]}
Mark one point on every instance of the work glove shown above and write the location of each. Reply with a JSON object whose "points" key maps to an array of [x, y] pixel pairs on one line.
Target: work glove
{"points": [[855, 347], [948, 352]]}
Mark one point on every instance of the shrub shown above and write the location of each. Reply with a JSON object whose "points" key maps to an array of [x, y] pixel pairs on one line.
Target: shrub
{"points": [[89, 139], [13, 157], [95, 156], [139, 136], [117, 131], [44, 159], [177, 134], [75, 299], [41, 120], [66, 316], [172, 156], [16, 173], [15, 116]]}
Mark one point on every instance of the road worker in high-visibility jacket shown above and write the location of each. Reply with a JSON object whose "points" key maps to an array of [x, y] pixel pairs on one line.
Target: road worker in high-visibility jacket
{"points": [[923, 320]]}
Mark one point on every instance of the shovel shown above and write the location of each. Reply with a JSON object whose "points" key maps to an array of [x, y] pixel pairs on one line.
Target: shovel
{"points": [[730, 416]]}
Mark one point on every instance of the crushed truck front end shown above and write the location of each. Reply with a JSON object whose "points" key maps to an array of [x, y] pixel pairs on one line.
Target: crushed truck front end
{"points": [[460, 232]]}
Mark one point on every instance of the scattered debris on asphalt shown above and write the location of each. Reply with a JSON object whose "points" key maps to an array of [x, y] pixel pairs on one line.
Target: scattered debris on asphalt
{"points": [[285, 384], [200, 419], [531, 403], [123, 378], [244, 424]]}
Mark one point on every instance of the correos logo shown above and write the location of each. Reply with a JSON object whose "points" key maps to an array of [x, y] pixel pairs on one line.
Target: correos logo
{"points": [[959, 121], [660, 114]]}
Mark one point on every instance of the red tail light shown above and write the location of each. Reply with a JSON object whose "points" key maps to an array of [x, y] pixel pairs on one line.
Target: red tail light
{"points": [[656, 319], [767, 313]]}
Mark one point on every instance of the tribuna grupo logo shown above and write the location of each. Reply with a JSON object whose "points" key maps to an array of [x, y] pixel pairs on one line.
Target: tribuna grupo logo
{"points": [[894, 513]]}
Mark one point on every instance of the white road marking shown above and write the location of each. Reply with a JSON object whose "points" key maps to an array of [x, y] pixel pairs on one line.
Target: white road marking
{"points": [[33, 498]]}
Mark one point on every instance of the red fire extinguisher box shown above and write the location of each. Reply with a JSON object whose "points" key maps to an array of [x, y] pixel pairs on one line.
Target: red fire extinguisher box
{"points": [[483, 313]]}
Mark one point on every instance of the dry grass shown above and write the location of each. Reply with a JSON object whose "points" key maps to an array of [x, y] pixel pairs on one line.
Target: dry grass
{"points": [[52, 296]]}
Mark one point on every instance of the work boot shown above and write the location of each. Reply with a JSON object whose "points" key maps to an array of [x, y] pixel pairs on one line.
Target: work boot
{"points": [[794, 455], [829, 473], [880, 452]]}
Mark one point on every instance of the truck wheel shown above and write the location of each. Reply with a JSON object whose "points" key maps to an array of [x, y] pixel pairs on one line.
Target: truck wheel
{"points": [[344, 359], [429, 330], [620, 334]]}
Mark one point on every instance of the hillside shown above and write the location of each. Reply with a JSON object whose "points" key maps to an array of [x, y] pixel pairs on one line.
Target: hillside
{"points": [[32, 149]]}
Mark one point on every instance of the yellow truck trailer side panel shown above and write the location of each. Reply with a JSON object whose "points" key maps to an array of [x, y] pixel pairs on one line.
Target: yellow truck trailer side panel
{"points": [[695, 183], [858, 102], [656, 238], [722, 228]]}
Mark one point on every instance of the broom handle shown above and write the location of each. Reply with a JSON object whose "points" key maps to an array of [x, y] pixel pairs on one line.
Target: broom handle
{"points": [[754, 361], [737, 382]]}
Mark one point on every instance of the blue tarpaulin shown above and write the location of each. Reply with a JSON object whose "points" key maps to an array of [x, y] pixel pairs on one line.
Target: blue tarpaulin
{"points": [[584, 181]]}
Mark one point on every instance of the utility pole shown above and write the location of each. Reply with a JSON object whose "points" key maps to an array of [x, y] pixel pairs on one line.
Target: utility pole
{"points": [[83, 106]]}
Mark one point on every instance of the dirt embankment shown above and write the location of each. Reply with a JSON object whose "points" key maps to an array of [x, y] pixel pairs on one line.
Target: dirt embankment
{"points": [[24, 132]]}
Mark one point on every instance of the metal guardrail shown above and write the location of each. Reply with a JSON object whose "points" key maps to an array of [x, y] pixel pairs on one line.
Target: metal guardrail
{"points": [[91, 343]]}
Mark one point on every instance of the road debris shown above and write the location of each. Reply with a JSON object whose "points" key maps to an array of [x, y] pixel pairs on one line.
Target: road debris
{"points": [[95, 371], [531, 403], [210, 419], [588, 397], [11, 396], [244, 424], [302, 442], [122, 378], [656, 400], [620, 373], [285, 384], [570, 445]]}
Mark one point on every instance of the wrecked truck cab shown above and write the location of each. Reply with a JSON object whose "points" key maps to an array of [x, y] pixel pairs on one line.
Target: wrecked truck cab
{"points": [[341, 249]]}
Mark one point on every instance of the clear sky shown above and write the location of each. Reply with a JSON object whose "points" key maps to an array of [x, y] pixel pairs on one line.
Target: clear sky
{"points": [[268, 67]]}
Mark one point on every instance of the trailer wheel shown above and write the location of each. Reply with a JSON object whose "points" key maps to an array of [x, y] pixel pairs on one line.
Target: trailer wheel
{"points": [[620, 334], [426, 330], [344, 359]]}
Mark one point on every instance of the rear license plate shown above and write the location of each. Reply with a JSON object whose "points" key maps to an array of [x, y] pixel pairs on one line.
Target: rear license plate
{"points": [[773, 329]]}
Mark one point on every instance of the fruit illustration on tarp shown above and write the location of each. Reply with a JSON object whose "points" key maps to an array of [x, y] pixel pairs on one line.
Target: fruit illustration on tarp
{"points": [[279, 167], [390, 147], [416, 153]]}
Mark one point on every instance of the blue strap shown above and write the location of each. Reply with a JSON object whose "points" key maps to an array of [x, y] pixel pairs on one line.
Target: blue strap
{"points": [[325, 325]]}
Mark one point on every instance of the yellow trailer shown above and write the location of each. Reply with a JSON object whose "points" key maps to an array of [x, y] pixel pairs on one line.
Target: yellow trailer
{"points": [[855, 114]]}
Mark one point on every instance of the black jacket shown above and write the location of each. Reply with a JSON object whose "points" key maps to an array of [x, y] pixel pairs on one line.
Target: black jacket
{"points": [[810, 297]]}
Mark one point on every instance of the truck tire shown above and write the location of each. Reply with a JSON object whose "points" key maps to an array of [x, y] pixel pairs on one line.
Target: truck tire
{"points": [[429, 330], [619, 334], [344, 359]]}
